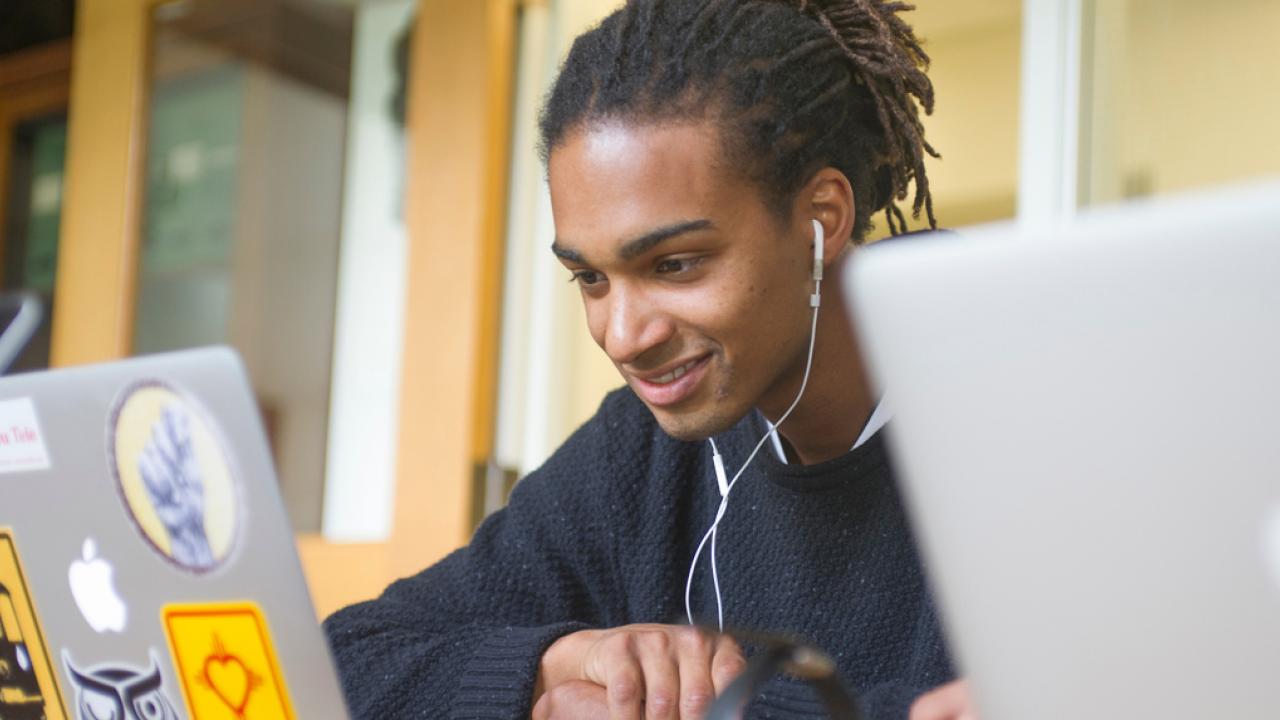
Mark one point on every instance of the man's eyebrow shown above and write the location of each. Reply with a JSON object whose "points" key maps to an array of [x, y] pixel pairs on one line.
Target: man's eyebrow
{"points": [[565, 253], [634, 248]]}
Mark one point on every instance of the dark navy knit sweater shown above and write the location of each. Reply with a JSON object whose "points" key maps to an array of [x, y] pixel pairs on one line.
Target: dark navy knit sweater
{"points": [[602, 535]]}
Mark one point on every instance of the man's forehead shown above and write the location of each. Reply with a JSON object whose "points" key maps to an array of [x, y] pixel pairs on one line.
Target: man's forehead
{"points": [[616, 138], [613, 185], [614, 162]]}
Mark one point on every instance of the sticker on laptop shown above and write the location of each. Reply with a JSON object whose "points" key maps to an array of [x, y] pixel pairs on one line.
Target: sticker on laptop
{"points": [[120, 691], [174, 475], [28, 681], [226, 662], [21, 443], [93, 587]]}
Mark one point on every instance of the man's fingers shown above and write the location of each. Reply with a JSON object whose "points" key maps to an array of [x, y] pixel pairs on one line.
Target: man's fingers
{"points": [[949, 702], [693, 652], [573, 700], [727, 663], [624, 680], [658, 672], [661, 680]]}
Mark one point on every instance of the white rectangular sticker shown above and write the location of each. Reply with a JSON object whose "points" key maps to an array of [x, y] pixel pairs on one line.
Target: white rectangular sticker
{"points": [[21, 444]]}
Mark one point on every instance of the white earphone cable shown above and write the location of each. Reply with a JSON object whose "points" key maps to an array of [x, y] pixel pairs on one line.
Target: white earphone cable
{"points": [[727, 488]]}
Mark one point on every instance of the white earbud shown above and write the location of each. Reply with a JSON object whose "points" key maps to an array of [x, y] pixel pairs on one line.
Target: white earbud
{"points": [[724, 483], [819, 238], [722, 478]]}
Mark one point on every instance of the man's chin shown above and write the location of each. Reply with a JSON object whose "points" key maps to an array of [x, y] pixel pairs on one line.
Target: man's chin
{"points": [[692, 425]]}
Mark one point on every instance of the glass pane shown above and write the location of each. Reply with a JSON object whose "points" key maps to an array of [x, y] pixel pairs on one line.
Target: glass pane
{"points": [[975, 48], [1178, 94], [248, 108], [38, 152]]}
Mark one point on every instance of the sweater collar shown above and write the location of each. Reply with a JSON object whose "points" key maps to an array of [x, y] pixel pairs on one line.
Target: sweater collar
{"points": [[879, 416]]}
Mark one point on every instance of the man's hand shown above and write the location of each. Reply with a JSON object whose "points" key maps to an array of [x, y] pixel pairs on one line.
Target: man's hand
{"points": [[654, 672], [573, 700], [949, 702]]}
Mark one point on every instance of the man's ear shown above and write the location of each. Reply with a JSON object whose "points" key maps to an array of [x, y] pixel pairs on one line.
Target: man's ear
{"points": [[827, 198]]}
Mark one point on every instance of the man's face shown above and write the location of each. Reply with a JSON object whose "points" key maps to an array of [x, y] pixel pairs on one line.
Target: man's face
{"points": [[694, 289]]}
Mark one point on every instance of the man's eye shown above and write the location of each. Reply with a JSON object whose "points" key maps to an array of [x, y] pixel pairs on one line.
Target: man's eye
{"points": [[675, 266], [586, 277]]}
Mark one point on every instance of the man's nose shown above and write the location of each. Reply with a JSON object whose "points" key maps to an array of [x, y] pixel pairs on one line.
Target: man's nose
{"points": [[635, 325]]}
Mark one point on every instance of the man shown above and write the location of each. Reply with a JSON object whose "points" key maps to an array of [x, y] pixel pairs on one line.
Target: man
{"points": [[698, 152]]}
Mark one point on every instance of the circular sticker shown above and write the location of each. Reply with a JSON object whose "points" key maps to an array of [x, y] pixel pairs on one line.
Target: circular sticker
{"points": [[174, 476]]}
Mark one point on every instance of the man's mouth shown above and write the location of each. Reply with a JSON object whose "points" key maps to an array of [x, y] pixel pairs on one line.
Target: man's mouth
{"points": [[674, 385]]}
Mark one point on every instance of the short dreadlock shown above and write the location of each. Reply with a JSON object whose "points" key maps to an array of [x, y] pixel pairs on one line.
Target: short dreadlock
{"points": [[795, 86]]}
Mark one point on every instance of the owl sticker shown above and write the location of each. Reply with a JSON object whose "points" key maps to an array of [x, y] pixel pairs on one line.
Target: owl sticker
{"points": [[119, 692]]}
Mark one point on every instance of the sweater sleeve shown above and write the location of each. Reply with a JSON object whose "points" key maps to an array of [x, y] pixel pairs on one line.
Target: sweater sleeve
{"points": [[890, 701], [463, 638], [930, 667]]}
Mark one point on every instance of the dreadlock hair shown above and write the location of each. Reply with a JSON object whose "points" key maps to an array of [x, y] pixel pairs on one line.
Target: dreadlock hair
{"points": [[794, 86]]}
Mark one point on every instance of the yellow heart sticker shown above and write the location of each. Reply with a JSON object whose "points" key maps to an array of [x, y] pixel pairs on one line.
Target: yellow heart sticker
{"points": [[226, 662]]}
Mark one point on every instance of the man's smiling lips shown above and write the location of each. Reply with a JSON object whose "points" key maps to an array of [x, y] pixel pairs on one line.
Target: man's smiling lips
{"points": [[672, 384]]}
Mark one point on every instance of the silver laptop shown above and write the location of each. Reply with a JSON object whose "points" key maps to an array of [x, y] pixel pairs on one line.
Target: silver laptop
{"points": [[1087, 421], [147, 569]]}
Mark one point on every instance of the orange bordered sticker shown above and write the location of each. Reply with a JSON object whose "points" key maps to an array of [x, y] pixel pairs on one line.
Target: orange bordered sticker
{"points": [[28, 683], [226, 662]]}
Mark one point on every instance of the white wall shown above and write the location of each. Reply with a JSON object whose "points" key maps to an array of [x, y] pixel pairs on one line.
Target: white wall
{"points": [[975, 122], [1202, 106], [284, 264], [359, 485]]}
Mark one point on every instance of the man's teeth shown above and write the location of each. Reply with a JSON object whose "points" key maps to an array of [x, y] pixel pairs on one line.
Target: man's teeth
{"points": [[674, 374]]}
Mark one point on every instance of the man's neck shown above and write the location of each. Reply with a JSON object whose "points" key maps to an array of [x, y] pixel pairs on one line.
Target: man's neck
{"points": [[838, 399]]}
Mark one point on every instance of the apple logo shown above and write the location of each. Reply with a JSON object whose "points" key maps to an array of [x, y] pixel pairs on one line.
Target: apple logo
{"points": [[93, 587]]}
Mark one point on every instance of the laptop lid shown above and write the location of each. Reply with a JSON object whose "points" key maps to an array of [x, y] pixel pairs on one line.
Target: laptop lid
{"points": [[1086, 420], [148, 565]]}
